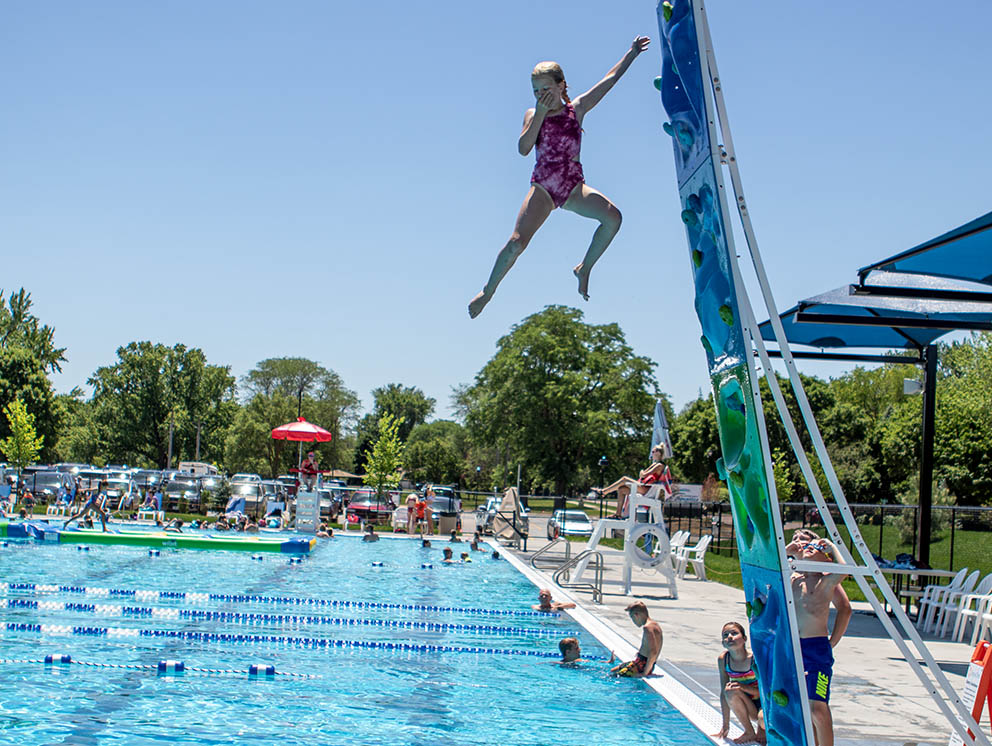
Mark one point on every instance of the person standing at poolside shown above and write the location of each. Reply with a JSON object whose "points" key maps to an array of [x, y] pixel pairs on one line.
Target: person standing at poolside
{"points": [[842, 604], [814, 592], [411, 513], [651, 641], [554, 126]]}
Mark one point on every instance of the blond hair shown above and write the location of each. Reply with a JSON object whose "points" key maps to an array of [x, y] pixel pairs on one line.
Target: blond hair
{"points": [[552, 70]]}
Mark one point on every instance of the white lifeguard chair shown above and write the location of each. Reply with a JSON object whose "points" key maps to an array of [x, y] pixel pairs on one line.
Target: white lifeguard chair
{"points": [[645, 545]]}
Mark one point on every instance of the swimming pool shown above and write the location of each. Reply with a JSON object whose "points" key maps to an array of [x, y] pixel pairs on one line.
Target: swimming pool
{"points": [[390, 654]]}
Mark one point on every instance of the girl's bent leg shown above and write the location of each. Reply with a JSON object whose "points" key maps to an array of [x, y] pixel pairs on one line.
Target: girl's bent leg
{"points": [[534, 211], [587, 202]]}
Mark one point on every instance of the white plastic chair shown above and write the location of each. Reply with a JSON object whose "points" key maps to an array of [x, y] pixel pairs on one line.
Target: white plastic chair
{"points": [[678, 540], [932, 594], [950, 601], [969, 607], [695, 557], [983, 622]]}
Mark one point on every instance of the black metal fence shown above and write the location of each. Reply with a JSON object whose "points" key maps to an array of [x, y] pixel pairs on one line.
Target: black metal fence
{"points": [[715, 518]]}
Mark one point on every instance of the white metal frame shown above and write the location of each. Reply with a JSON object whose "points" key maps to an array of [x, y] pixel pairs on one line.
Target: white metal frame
{"points": [[957, 714]]}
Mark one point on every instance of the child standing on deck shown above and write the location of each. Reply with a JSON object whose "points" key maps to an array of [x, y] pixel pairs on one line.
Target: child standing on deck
{"points": [[739, 685], [554, 125], [813, 592]]}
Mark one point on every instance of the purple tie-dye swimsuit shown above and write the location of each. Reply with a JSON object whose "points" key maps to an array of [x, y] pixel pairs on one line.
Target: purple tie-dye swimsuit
{"points": [[557, 171]]}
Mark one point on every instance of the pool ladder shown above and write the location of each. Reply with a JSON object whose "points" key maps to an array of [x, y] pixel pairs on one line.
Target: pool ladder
{"points": [[551, 561], [595, 559]]}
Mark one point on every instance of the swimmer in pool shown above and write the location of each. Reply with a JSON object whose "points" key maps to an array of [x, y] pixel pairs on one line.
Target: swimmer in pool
{"points": [[544, 602], [554, 126]]}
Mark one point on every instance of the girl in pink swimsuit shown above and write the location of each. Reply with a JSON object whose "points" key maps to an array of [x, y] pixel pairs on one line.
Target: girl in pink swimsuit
{"points": [[554, 125]]}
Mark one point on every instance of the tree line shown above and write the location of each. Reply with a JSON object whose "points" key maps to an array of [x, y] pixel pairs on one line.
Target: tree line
{"points": [[566, 403]]}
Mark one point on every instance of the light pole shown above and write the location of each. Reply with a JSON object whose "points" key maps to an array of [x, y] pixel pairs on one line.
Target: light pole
{"points": [[603, 463]]}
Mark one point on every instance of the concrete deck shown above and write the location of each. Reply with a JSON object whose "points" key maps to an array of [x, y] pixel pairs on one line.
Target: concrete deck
{"points": [[875, 696]]}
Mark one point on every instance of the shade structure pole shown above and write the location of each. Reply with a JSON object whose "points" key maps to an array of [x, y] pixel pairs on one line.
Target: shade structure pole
{"points": [[926, 459]]}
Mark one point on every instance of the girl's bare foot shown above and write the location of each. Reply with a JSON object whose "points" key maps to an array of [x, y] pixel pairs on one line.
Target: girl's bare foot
{"points": [[478, 303], [751, 737], [583, 281]]}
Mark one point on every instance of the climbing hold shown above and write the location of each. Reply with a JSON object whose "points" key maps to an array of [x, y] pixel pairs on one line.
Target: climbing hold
{"points": [[737, 479], [666, 11], [657, 84], [689, 218], [667, 126], [726, 313], [780, 698], [694, 203], [697, 257]]}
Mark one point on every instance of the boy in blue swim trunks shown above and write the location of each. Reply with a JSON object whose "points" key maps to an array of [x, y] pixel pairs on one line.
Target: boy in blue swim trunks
{"points": [[813, 592]]}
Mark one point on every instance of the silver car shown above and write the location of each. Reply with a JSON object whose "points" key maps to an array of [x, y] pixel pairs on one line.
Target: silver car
{"points": [[569, 523]]}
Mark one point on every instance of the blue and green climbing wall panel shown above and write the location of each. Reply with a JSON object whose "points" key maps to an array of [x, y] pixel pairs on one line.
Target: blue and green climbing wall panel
{"points": [[743, 465]]}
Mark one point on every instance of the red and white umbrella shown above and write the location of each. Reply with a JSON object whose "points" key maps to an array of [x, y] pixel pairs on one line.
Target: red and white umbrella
{"points": [[302, 431]]}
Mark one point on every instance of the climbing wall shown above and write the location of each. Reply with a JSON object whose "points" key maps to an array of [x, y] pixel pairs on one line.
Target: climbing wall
{"points": [[689, 105]]}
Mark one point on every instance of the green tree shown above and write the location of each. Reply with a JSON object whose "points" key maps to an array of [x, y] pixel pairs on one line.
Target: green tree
{"points": [[385, 457], [277, 389], [79, 438], [436, 452], [151, 387], [19, 328], [249, 446], [406, 404], [23, 444], [559, 394], [23, 379], [695, 441]]}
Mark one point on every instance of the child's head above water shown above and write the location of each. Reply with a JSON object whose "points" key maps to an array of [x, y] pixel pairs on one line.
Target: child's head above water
{"points": [[569, 648]]}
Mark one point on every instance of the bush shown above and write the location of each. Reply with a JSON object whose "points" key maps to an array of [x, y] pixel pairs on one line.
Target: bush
{"points": [[940, 520]]}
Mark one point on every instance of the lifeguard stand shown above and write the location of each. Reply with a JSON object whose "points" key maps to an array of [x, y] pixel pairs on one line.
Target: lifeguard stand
{"points": [[645, 545]]}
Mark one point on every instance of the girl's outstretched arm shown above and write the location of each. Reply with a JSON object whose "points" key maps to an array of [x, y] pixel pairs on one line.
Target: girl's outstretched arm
{"points": [[595, 94]]}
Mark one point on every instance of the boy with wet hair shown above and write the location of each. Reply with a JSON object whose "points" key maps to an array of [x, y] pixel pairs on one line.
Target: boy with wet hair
{"points": [[651, 640], [813, 593]]}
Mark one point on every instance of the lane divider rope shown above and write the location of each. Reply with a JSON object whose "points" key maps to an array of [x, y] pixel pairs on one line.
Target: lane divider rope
{"points": [[307, 642], [163, 667], [195, 597], [236, 617]]}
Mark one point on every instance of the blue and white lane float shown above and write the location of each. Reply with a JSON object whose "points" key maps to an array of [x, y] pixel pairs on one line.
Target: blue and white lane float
{"points": [[315, 643], [164, 667], [200, 598], [243, 618]]}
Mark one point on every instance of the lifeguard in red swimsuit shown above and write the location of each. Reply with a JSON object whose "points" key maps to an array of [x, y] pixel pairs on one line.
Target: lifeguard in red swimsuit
{"points": [[554, 125]]}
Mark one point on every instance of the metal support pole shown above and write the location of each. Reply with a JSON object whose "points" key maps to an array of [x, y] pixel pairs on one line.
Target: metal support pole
{"points": [[926, 460]]}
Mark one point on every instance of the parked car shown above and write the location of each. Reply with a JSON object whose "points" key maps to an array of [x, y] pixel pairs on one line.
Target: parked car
{"points": [[48, 484], [148, 479], [73, 469], [569, 523], [89, 479], [366, 506], [243, 477], [485, 514], [197, 468], [252, 494], [182, 486], [209, 486], [291, 482], [123, 494]]}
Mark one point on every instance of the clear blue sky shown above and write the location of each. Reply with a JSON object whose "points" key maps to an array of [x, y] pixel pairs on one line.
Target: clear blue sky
{"points": [[333, 180]]}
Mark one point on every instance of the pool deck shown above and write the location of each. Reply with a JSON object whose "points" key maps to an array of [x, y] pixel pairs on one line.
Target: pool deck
{"points": [[875, 696]]}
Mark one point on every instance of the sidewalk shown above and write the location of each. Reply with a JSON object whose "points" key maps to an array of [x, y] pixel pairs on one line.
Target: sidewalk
{"points": [[875, 696]]}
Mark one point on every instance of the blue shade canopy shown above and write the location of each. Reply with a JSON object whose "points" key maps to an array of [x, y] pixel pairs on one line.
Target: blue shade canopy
{"points": [[964, 253], [843, 318]]}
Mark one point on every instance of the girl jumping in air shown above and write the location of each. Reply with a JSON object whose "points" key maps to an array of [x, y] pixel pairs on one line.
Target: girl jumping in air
{"points": [[554, 125]]}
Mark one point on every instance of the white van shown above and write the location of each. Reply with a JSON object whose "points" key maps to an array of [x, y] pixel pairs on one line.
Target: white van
{"points": [[198, 468]]}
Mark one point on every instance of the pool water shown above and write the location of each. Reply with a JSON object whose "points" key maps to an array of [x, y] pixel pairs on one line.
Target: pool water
{"points": [[432, 686]]}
